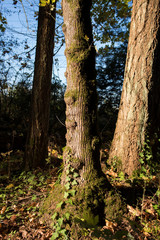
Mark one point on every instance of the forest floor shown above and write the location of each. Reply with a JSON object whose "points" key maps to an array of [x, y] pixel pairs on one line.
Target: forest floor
{"points": [[22, 195]]}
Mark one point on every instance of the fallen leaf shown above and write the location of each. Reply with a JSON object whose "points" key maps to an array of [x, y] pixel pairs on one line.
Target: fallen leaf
{"points": [[52, 185], [41, 221], [24, 233], [3, 210], [112, 173], [5, 221], [21, 209], [133, 211], [150, 211], [31, 219], [40, 231], [13, 218], [110, 225]]}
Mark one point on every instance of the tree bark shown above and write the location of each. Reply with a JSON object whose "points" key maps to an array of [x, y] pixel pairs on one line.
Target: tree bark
{"points": [[139, 112], [37, 141], [82, 143]]}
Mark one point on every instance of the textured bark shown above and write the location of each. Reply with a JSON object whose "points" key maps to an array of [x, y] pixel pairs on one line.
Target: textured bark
{"points": [[139, 112], [37, 140], [82, 146]]}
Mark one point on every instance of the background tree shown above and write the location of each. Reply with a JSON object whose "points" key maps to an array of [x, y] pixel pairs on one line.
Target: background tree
{"points": [[15, 95], [110, 74], [37, 140], [3, 21], [57, 129], [139, 112]]}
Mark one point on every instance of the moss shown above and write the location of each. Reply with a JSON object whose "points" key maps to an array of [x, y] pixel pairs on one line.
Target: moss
{"points": [[90, 199], [95, 142], [71, 96], [78, 55], [115, 207], [49, 205], [64, 27]]}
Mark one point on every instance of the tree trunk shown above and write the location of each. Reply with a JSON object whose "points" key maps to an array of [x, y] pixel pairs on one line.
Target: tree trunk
{"points": [[139, 112], [81, 153], [37, 140]]}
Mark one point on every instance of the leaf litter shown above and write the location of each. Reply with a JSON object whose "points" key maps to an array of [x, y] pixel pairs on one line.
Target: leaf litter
{"points": [[21, 197]]}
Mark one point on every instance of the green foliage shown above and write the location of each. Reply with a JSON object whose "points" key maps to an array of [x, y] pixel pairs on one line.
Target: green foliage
{"points": [[90, 219], [156, 204], [110, 20], [121, 176], [60, 220], [116, 164], [23, 186], [148, 166]]}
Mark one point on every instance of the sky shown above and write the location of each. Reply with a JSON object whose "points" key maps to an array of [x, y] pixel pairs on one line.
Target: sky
{"points": [[22, 25]]}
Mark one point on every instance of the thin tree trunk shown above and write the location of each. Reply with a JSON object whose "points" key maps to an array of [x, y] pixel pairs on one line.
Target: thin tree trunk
{"points": [[37, 140], [139, 112]]}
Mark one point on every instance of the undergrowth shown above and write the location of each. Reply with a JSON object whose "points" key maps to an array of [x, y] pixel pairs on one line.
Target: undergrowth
{"points": [[22, 195]]}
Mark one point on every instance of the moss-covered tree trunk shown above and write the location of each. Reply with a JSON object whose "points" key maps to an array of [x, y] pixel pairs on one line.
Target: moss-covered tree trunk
{"points": [[37, 140], [82, 148], [139, 113]]}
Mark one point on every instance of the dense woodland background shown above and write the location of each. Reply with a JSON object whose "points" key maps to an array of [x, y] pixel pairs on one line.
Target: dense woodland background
{"points": [[134, 203]]}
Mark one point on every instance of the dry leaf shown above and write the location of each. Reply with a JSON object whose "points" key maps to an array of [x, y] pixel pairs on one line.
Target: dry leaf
{"points": [[21, 209], [110, 225], [24, 233], [52, 185], [111, 173], [13, 218], [133, 211], [3, 210]]}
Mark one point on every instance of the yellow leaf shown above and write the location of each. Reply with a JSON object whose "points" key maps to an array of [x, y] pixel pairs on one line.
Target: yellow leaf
{"points": [[43, 3], [10, 186]]}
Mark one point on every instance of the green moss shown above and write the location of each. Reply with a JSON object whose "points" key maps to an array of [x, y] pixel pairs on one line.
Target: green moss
{"points": [[90, 199], [64, 27], [95, 142], [90, 218], [78, 55], [115, 207], [71, 96], [48, 207]]}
